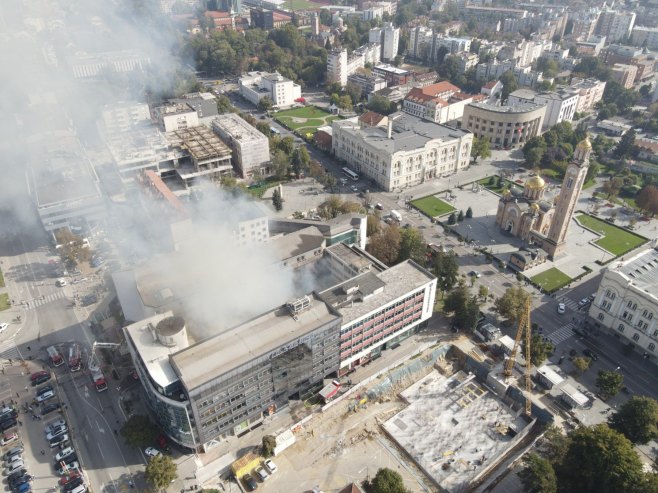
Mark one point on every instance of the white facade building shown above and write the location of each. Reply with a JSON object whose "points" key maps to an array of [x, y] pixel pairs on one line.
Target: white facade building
{"points": [[340, 65], [560, 105], [590, 92], [251, 149], [390, 41], [615, 26], [176, 116], [645, 36], [626, 302], [282, 91], [408, 152]]}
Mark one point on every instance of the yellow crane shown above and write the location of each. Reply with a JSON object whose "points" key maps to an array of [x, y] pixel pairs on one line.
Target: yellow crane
{"points": [[524, 328]]}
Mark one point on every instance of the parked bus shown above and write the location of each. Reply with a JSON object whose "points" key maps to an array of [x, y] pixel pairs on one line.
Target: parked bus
{"points": [[98, 379], [54, 355], [75, 357], [350, 174]]}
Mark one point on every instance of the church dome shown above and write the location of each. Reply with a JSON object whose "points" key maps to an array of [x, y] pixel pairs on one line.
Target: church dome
{"points": [[534, 183], [584, 144], [534, 208]]}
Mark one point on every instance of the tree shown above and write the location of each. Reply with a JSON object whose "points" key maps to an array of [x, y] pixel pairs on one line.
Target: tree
{"points": [[539, 350], [637, 419], [412, 245], [300, 160], [469, 213], [612, 187], [224, 105], [480, 148], [460, 216], [70, 247], [269, 444], [609, 382], [512, 303], [452, 219], [446, 270], [281, 165], [264, 128], [160, 471], [372, 225], [464, 307], [538, 475], [387, 481], [287, 145], [581, 364], [483, 292], [277, 200], [647, 199], [509, 84], [625, 146], [265, 103], [381, 105], [345, 102], [385, 245], [600, 460], [139, 431]]}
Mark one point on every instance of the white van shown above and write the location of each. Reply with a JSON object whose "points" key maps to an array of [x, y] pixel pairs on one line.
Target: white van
{"points": [[61, 283], [396, 215]]}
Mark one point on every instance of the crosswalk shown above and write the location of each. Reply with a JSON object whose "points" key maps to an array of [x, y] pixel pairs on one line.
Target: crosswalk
{"points": [[49, 298], [569, 302], [561, 334], [9, 351]]}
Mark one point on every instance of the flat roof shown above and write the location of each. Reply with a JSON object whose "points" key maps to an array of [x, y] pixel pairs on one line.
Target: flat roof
{"points": [[454, 428], [298, 242], [550, 374], [154, 355], [515, 108], [237, 128], [577, 396], [219, 354], [370, 291], [200, 142], [641, 270]]}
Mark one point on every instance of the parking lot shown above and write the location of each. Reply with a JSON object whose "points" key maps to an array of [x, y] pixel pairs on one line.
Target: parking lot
{"points": [[33, 452]]}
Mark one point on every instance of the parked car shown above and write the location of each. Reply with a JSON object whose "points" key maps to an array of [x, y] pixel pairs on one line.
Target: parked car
{"points": [[475, 274], [60, 430], [8, 424], [590, 354], [44, 389], [14, 466], [583, 302], [40, 380], [12, 459], [8, 438], [3, 326], [379, 206], [22, 478], [5, 410], [55, 424], [249, 482], [45, 396], [67, 467], [64, 453], [54, 442], [270, 466], [23, 488], [152, 452], [73, 483], [262, 474], [81, 488], [69, 478], [49, 408], [561, 308], [60, 282], [16, 474], [39, 374], [17, 450]]}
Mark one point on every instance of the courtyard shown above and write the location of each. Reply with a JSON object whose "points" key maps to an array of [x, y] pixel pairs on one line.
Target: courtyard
{"points": [[432, 206], [614, 239]]}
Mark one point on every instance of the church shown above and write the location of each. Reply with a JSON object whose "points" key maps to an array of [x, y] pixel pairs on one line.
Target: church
{"points": [[542, 223]]}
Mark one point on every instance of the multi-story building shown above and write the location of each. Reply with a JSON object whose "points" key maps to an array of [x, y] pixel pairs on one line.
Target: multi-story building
{"points": [[175, 116], [440, 103], [420, 39], [626, 302], [623, 74], [393, 76], [122, 117], [584, 23], [367, 83], [282, 91], [204, 103], [97, 64], [251, 149], [405, 153], [615, 26], [340, 65], [627, 55], [166, 6], [645, 36], [590, 92], [466, 61], [560, 105], [504, 126], [388, 37], [492, 90], [452, 44]]}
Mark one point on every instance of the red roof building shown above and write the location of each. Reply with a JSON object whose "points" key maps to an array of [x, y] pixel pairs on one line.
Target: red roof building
{"points": [[441, 102]]}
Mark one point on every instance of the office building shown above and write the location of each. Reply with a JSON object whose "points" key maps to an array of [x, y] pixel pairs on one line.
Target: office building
{"points": [[250, 148], [367, 83], [560, 105], [645, 36], [590, 92], [393, 76], [407, 152], [615, 26], [504, 126], [175, 116], [88, 66], [624, 75], [626, 303], [282, 91], [340, 65], [390, 41]]}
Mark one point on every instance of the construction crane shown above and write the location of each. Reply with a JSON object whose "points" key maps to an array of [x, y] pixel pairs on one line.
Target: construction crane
{"points": [[524, 328]]}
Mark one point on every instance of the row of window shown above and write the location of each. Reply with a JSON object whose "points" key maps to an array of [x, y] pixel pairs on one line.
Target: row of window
{"points": [[391, 310]]}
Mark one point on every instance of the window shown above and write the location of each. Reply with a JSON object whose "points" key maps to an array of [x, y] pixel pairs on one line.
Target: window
{"points": [[652, 346], [636, 337], [620, 328], [601, 316]]}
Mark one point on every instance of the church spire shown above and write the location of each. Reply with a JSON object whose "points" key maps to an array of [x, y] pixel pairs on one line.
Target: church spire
{"points": [[583, 150]]}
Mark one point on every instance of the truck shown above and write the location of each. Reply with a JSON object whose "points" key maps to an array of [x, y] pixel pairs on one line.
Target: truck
{"points": [[54, 355], [75, 357], [98, 378], [396, 215]]}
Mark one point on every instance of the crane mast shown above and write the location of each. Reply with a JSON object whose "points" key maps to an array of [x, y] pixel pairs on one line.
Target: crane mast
{"points": [[522, 330]]}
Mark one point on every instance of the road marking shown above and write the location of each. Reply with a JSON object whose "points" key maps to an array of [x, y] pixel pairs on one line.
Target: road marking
{"points": [[562, 334], [100, 450], [86, 437]]}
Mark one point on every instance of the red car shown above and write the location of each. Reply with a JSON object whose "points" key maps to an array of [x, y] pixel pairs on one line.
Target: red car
{"points": [[68, 478], [39, 374]]}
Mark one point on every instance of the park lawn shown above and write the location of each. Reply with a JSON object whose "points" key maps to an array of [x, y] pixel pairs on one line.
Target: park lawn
{"points": [[432, 206], [303, 112], [301, 5], [504, 183], [259, 189], [2, 280], [615, 239], [312, 122], [4, 301], [551, 279]]}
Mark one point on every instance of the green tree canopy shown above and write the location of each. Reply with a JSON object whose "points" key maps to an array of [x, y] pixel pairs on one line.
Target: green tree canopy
{"points": [[539, 350], [385, 245], [463, 305], [647, 199], [412, 245], [160, 471], [446, 269], [637, 419], [277, 200], [512, 303], [626, 144], [480, 148], [609, 383], [538, 475], [139, 431], [265, 103], [581, 364], [387, 481]]}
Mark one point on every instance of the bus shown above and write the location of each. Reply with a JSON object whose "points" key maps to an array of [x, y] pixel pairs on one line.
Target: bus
{"points": [[350, 174]]}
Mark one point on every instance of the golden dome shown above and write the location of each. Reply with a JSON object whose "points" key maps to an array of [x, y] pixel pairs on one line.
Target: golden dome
{"points": [[507, 193], [584, 144], [535, 183], [534, 207]]}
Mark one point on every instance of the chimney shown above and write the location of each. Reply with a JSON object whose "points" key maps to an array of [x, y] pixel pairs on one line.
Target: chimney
{"points": [[389, 132]]}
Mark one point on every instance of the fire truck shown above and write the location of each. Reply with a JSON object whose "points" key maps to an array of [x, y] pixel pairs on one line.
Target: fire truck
{"points": [[98, 378], [75, 357], [54, 355]]}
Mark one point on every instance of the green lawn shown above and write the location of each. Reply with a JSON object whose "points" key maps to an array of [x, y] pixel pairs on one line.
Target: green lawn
{"points": [[551, 279], [258, 189], [616, 240], [2, 280], [504, 183], [432, 206], [303, 112], [311, 122], [4, 301], [311, 117], [301, 5]]}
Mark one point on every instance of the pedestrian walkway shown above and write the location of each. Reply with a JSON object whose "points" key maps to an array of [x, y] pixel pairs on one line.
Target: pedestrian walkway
{"points": [[569, 302], [49, 298], [561, 334], [9, 351]]}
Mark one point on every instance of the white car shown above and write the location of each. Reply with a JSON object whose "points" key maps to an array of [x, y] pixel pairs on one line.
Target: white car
{"points": [[270, 466], [56, 432], [262, 473], [583, 302], [55, 424], [152, 452], [3, 326], [45, 396], [561, 308], [64, 453], [67, 468], [14, 466], [14, 458], [61, 282]]}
